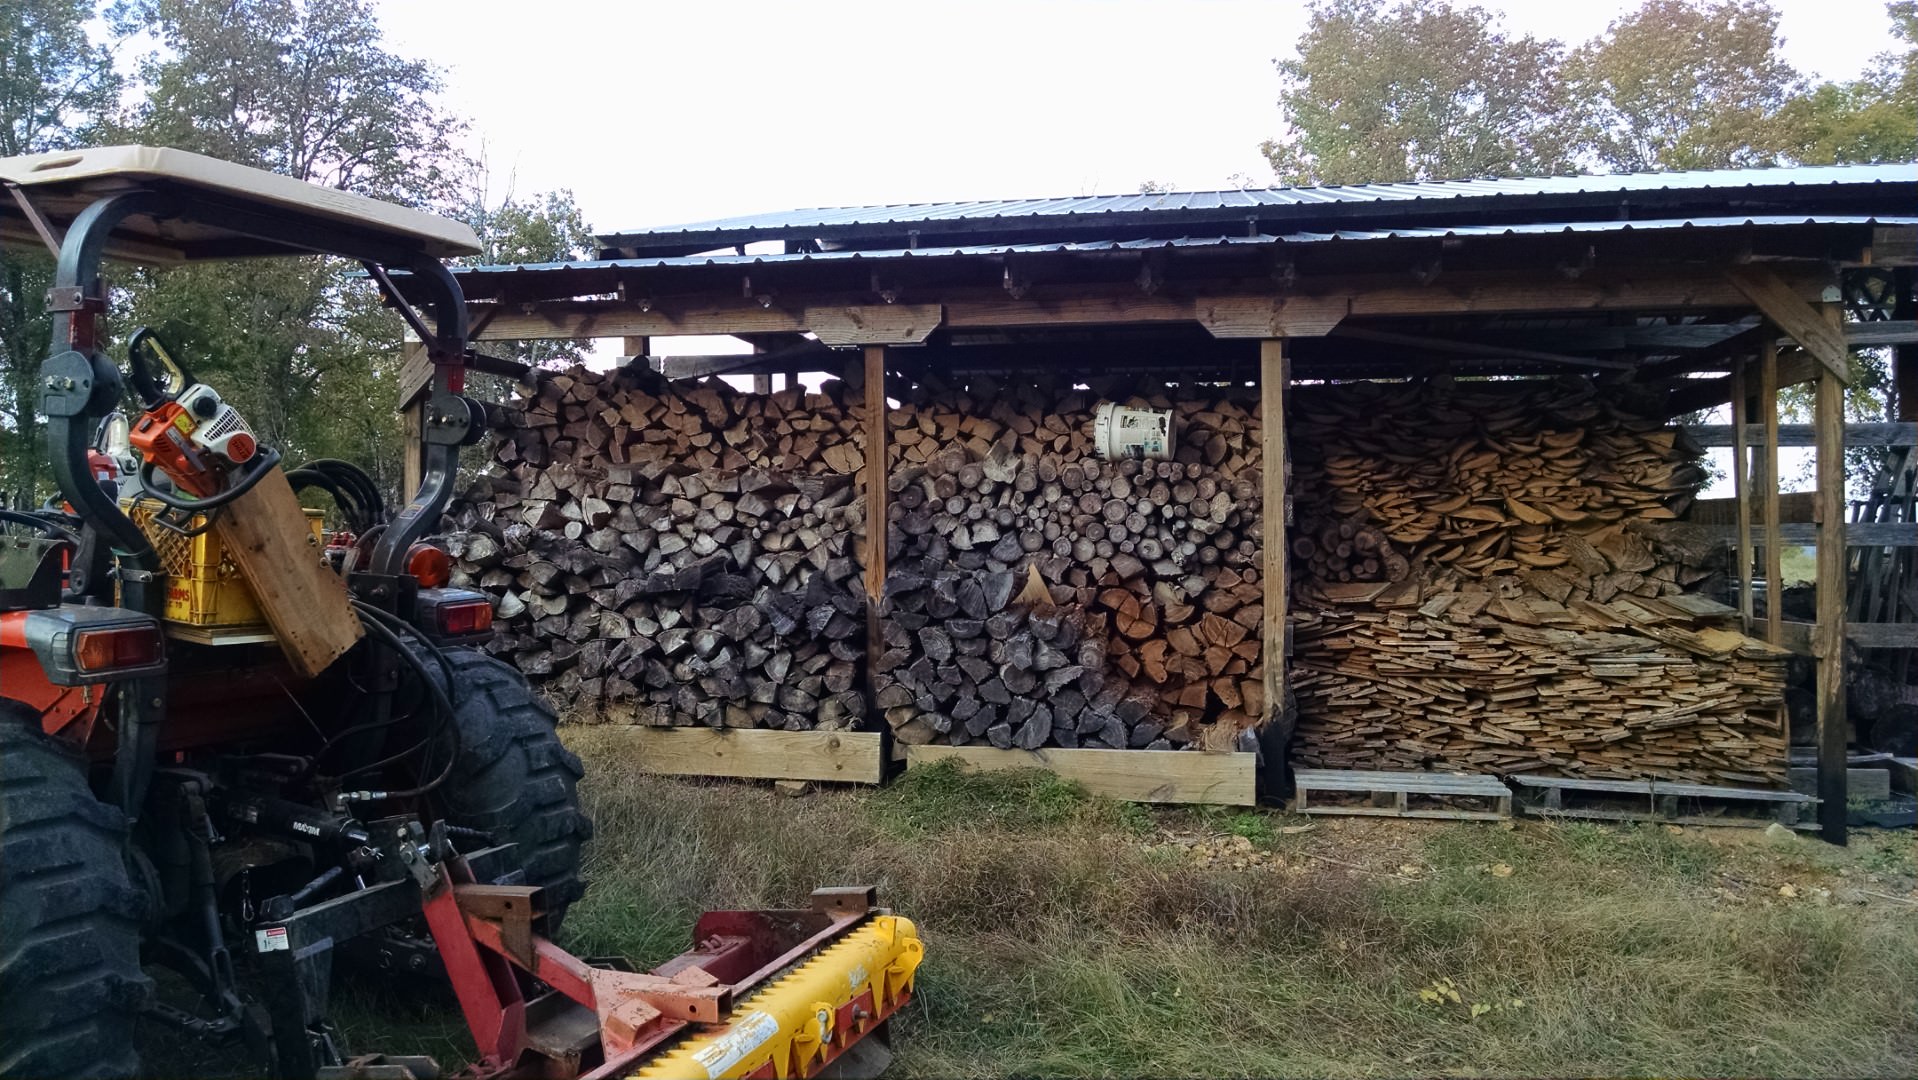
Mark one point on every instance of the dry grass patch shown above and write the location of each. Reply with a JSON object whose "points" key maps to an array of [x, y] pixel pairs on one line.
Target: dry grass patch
{"points": [[1074, 936]]}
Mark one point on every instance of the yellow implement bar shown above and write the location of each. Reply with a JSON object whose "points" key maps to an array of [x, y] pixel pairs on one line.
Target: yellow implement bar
{"points": [[799, 1021]]}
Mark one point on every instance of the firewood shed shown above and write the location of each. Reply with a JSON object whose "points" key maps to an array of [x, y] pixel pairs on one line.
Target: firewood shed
{"points": [[1429, 500]]}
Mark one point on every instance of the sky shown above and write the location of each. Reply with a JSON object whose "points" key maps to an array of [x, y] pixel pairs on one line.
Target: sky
{"points": [[658, 113]]}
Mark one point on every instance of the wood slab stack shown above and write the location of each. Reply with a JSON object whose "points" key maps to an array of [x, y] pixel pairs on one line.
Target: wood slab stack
{"points": [[1041, 596], [675, 555], [1519, 600]]}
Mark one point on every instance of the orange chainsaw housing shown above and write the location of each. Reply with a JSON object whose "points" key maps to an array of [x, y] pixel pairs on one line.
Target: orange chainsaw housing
{"points": [[161, 437]]}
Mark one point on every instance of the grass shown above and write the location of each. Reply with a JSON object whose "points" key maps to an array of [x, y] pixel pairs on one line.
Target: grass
{"points": [[1074, 936], [1068, 935]]}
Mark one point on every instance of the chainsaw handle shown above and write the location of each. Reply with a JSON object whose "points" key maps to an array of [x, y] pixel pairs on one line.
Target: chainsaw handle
{"points": [[146, 353]]}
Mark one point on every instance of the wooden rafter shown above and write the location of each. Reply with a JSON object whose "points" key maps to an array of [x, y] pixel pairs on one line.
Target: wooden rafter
{"points": [[1799, 320]]}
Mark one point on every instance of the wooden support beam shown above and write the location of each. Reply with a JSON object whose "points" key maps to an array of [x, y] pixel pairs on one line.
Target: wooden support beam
{"points": [[1468, 348], [1152, 776], [1692, 395], [1741, 492], [1769, 505], [1270, 317], [878, 454], [834, 324], [853, 757], [1273, 512], [1780, 303], [1828, 644], [1857, 534], [1311, 309], [1874, 434], [1902, 635], [1798, 636], [1890, 332], [635, 345]]}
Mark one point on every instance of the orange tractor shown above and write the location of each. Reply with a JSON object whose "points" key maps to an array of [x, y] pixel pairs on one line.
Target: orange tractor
{"points": [[247, 752]]}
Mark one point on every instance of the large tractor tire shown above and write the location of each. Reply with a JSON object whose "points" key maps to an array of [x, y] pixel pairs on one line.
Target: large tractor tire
{"points": [[514, 780], [70, 979]]}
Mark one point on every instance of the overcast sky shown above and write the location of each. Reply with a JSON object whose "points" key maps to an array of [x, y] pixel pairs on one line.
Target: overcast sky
{"points": [[657, 113]]}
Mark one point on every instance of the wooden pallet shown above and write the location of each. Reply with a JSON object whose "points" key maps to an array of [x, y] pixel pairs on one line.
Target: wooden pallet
{"points": [[850, 757], [1151, 776], [1861, 784], [1404, 794], [1904, 775], [1656, 800]]}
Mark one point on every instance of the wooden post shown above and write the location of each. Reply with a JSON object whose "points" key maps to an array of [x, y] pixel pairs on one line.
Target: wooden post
{"points": [[1273, 372], [877, 453], [1741, 491], [1768, 493], [413, 452], [1828, 636], [1904, 358], [635, 347]]}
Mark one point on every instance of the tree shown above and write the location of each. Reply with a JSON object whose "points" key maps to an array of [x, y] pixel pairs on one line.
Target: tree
{"points": [[1421, 90], [543, 229], [55, 86], [1684, 85], [1870, 119], [305, 88]]}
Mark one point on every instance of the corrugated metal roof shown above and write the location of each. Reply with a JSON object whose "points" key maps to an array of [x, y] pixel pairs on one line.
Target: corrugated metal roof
{"points": [[1212, 203], [1196, 242]]}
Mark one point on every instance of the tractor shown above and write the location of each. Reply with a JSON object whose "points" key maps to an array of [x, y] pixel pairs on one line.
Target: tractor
{"points": [[250, 756]]}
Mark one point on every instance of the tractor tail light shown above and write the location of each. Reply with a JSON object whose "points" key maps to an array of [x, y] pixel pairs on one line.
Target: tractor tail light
{"points": [[430, 566], [454, 614], [466, 617], [101, 652]]}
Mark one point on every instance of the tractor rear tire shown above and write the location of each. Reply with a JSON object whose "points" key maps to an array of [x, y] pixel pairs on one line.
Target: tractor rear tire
{"points": [[514, 780], [70, 980]]}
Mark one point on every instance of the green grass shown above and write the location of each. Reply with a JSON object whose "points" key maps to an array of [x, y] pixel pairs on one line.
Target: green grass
{"points": [[1073, 936]]}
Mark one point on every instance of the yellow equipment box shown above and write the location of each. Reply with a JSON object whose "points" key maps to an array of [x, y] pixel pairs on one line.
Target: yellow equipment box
{"points": [[204, 588]]}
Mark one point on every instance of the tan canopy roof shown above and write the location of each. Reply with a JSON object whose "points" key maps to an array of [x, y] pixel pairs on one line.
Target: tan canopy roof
{"points": [[61, 185]]}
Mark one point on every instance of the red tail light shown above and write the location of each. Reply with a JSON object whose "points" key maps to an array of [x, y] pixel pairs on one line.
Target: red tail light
{"points": [[465, 617], [96, 652]]}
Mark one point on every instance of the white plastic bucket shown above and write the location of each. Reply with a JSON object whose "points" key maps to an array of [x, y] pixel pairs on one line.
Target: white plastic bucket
{"points": [[1121, 431]]}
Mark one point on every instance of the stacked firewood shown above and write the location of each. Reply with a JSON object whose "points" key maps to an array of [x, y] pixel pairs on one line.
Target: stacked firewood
{"points": [[674, 556], [1040, 595], [1492, 579]]}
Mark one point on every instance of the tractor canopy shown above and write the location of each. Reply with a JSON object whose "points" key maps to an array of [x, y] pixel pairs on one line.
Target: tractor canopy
{"points": [[225, 211]]}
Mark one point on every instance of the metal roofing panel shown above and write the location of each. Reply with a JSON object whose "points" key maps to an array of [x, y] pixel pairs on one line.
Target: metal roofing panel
{"points": [[1189, 201], [1198, 242]]}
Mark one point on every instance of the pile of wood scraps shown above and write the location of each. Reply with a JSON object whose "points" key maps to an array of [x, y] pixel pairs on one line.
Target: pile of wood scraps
{"points": [[1523, 600]]}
